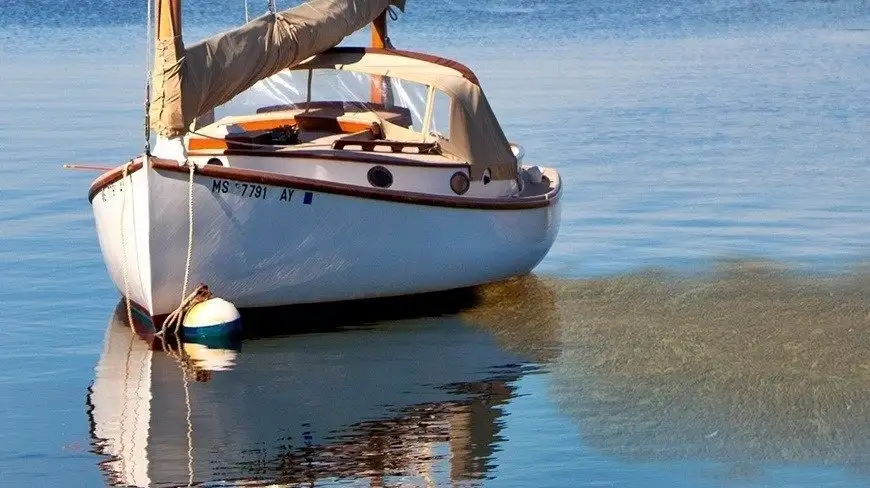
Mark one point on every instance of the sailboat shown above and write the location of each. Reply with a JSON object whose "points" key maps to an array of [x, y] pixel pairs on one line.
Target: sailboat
{"points": [[324, 198]]}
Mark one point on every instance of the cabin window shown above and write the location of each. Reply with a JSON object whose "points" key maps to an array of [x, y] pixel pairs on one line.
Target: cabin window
{"points": [[459, 183], [380, 177], [440, 126], [413, 96]]}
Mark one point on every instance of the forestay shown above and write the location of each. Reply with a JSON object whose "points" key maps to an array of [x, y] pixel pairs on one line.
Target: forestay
{"points": [[188, 82]]}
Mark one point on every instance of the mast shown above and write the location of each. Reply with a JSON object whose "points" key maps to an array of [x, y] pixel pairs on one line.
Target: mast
{"points": [[380, 91], [165, 112], [379, 31]]}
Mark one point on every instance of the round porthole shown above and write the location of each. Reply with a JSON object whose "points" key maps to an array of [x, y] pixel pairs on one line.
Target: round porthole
{"points": [[380, 177], [459, 182], [215, 161]]}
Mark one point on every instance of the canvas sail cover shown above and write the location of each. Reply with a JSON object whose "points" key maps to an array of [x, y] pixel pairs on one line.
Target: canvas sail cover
{"points": [[475, 136], [189, 82]]}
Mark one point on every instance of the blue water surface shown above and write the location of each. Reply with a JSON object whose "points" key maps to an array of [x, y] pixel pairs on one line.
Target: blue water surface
{"points": [[686, 133]]}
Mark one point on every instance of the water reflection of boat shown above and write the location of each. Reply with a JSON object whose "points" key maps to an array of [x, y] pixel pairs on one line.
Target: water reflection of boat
{"points": [[412, 398]]}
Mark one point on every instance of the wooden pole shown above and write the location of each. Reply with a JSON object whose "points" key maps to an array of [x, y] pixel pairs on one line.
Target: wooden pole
{"points": [[379, 31], [89, 167], [379, 91]]}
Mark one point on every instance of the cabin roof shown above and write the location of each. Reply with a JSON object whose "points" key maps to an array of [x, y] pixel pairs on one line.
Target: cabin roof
{"points": [[394, 60]]}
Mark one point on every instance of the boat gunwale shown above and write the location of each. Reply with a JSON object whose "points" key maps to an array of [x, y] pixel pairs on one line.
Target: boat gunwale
{"points": [[347, 155], [264, 178]]}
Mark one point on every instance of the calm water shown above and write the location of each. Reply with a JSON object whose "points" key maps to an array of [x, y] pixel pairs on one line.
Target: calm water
{"points": [[702, 320]]}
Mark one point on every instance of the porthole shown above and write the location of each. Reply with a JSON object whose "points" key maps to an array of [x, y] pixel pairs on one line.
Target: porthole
{"points": [[215, 161], [380, 177], [459, 182]]}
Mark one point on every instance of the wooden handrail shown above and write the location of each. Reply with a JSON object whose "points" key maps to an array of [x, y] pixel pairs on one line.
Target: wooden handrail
{"points": [[394, 146]]}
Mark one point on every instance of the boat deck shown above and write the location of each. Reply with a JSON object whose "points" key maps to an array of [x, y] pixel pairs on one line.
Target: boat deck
{"points": [[320, 130], [548, 184]]}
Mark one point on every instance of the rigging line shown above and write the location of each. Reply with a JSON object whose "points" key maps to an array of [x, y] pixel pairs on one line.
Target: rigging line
{"points": [[149, 67], [272, 8], [127, 193], [247, 14]]}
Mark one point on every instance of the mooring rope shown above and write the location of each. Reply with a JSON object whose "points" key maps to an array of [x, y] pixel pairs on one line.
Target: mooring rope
{"points": [[189, 231], [125, 173], [174, 319]]}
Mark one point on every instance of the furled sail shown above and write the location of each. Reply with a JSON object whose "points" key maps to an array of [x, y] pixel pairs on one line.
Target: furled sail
{"points": [[189, 82]]}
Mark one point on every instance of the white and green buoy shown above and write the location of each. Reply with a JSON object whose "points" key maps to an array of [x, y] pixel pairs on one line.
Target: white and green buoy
{"points": [[212, 320]]}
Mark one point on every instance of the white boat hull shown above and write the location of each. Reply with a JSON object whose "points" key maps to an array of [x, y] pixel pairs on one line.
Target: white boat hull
{"points": [[260, 245]]}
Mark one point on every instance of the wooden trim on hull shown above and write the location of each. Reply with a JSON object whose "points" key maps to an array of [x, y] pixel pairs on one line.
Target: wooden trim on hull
{"points": [[264, 178], [349, 156], [112, 176]]}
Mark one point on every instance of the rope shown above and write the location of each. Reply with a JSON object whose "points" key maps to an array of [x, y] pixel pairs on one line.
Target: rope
{"points": [[148, 70], [201, 293], [125, 172], [174, 319], [189, 231]]}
